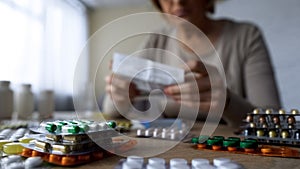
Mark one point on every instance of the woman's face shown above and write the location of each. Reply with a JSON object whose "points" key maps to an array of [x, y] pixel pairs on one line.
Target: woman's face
{"points": [[192, 10]]}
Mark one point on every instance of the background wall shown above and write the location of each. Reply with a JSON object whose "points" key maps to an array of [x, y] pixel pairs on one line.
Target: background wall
{"points": [[279, 20]]}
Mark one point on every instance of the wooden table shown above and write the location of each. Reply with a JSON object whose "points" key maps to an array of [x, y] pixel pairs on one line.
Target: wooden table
{"points": [[185, 150]]}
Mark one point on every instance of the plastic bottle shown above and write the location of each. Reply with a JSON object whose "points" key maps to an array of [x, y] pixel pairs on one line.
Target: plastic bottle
{"points": [[24, 103], [45, 104], [6, 100]]}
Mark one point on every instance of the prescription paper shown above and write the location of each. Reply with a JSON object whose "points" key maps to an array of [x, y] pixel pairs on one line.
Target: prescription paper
{"points": [[147, 75]]}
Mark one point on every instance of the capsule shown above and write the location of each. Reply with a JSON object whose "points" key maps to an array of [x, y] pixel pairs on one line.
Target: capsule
{"points": [[291, 120], [249, 118], [262, 119], [276, 120], [49, 127], [285, 134], [272, 134], [264, 125], [256, 111], [13, 148], [277, 126], [297, 135], [295, 111], [259, 133], [70, 129], [290, 126], [252, 125], [281, 111], [269, 111], [42, 145]]}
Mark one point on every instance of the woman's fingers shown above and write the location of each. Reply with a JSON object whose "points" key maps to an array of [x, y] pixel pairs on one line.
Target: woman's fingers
{"points": [[201, 85]]}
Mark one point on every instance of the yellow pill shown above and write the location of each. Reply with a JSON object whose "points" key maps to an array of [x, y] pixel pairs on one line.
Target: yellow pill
{"points": [[281, 111], [295, 111], [269, 111], [256, 111], [25, 140], [13, 148], [2, 142]]}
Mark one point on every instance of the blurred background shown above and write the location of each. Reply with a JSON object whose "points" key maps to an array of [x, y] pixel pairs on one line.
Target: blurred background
{"points": [[41, 41]]}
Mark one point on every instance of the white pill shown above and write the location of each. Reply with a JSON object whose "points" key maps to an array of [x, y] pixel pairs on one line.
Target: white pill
{"points": [[149, 132], [157, 161], [156, 166], [220, 161], [230, 165], [199, 161], [11, 159], [180, 166], [173, 135], [204, 166], [139, 132], [17, 165], [32, 162], [176, 161], [132, 165], [163, 134], [137, 159]]}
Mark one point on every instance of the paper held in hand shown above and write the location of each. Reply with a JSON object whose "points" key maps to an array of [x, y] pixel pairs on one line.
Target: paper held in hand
{"points": [[146, 74]]}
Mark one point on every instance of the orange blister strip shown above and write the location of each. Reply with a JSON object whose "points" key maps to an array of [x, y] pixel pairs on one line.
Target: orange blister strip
{"points": [[72, 160], [264, 150], [65, 160]]}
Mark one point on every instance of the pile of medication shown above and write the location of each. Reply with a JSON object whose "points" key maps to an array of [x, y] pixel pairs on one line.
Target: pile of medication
{"points": [[17, 162], [273, 127], [72, 142], [136, 162], [246, 146]]}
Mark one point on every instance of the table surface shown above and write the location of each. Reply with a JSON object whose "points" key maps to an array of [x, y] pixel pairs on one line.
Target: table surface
{"points": [[185, 150]]}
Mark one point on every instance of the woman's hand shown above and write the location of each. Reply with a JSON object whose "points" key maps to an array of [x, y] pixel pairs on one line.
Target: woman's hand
{"points": [[196, 91], [120, 89]]}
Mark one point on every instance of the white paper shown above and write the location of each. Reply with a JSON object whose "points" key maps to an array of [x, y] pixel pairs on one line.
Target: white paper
{"points": [[146, 74]]}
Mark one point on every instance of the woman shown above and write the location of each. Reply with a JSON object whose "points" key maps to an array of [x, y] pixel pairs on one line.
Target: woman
{"points": [[241, 48]]}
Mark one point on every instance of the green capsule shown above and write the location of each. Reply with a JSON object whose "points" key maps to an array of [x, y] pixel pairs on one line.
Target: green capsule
{"points": [[248, 144], [50, 127], [230, 143], [234, 138], [70, 129], [213, 141], [112, 124], [219, 137], [195, 140]]}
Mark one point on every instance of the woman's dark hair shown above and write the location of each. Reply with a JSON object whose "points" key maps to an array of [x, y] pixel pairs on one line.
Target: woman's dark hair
{"points": [[210, 5]]}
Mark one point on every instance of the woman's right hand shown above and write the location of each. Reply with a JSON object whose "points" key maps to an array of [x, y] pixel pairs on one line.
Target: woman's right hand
{"points": [[120, 89]]}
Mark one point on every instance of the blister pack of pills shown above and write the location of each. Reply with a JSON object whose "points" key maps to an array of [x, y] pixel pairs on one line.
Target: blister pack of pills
{"points": [[11, 140], [246, 146], [74, 142], [273, 127], [162, 133], [136, 162]]}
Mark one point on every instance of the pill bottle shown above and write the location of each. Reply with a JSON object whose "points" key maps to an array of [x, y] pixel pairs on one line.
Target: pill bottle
{"points": [[24, 102], [6, 100], [45, 104]]}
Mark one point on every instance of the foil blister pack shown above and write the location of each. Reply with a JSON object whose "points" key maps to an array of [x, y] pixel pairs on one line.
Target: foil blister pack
{"points": [[273, 127]]}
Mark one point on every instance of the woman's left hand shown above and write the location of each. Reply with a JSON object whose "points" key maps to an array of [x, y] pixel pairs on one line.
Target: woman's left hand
{"points": [[196, 91]]}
